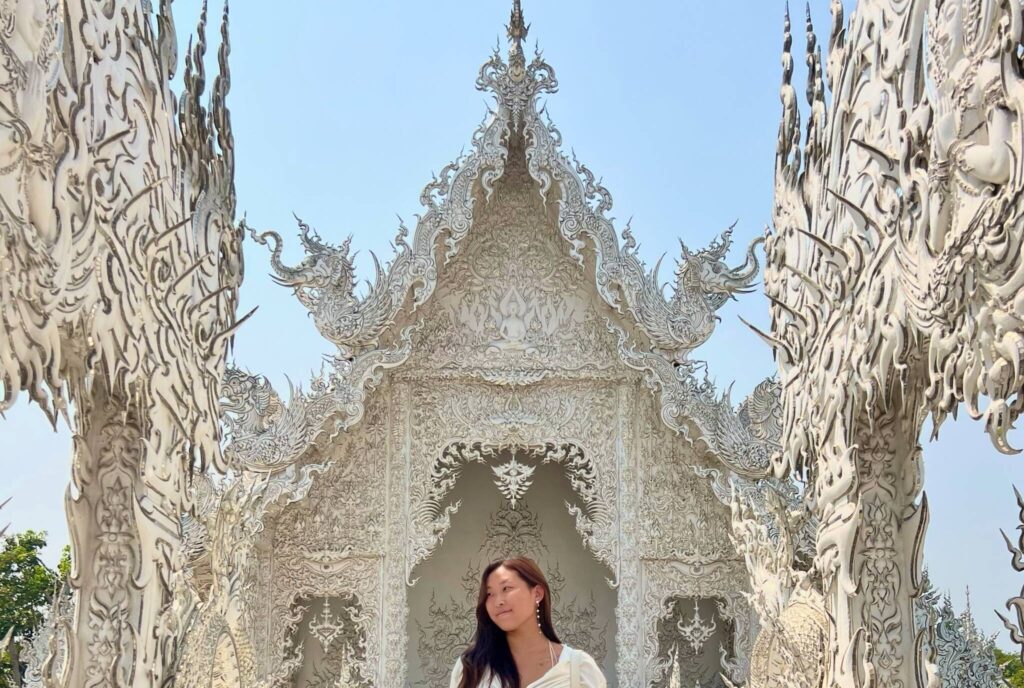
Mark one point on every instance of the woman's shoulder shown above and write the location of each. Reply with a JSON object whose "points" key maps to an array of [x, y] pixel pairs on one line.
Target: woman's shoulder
{"points": [[590, 673], [456, 673], [581, 656]]}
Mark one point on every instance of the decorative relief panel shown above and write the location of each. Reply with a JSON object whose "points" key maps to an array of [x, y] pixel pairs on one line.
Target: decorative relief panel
{"points": [[513, 305], [694, 639], [331, 639], [513, 479], [581, 414], [356, 581], [665, 582], [338, 514], [681, 517]]}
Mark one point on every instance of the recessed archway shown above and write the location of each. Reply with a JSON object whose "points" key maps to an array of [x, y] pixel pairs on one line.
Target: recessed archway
{"points": [[511, 501]]}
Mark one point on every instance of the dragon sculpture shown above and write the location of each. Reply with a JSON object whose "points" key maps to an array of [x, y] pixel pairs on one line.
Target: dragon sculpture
{"points": [[324, 282], [705, 278]]}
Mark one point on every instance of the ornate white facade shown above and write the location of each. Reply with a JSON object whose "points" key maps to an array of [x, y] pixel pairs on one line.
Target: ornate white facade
{"points": [[514, 380], [515, 332]]}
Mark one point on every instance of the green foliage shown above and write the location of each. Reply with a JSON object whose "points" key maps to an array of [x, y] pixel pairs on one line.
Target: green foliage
{"points": [[27, 586], [1013, 670], [64, 565]]}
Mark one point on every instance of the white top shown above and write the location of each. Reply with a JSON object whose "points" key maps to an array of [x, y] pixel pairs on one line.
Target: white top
{"points": [[557, 676]]}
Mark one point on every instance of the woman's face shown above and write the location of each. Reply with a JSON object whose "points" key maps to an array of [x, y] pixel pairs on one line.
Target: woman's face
{"points": [[511, 601]]}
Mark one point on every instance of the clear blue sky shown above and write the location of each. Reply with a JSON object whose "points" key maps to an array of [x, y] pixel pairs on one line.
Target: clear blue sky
{"points": [[342, 110]]}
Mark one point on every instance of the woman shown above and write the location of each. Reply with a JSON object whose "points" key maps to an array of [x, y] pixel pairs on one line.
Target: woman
{"points": [[515, 645]]}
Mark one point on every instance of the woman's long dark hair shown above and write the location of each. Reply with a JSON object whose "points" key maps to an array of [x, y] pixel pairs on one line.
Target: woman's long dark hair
{"points": [[489, 649]]}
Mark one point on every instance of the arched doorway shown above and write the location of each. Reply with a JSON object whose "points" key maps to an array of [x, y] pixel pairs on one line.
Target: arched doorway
{"points": [[507, 502]]}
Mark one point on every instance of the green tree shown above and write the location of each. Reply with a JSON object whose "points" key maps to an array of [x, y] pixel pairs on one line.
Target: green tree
{"points": [[1013, 670], [64, 565], [27, 586]]}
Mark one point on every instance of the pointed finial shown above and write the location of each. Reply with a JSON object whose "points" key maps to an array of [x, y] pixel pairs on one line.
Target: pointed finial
{"points": [[787, 35], [517, 27], [815, 86], [517, 31]]}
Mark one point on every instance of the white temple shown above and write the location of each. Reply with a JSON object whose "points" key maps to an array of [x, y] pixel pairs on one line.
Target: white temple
{"points": [[514, 383], [515, 380]]}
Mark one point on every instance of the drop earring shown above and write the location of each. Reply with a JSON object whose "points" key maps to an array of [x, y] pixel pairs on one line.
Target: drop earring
{"points": [[538, 617]]}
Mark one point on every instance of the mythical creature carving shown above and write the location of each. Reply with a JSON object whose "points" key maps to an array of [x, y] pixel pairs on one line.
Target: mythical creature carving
{"points": [[894, 276], [969, 259], [705, 277], [765, 535], [325, 284]]}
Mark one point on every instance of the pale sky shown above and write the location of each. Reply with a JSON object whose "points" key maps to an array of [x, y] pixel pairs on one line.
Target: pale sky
{"points": [[342, 110]]}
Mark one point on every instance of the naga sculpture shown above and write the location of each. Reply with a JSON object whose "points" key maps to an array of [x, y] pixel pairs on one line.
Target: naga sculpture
{"points": [[705, 283], [894, 275], [121, 269]]}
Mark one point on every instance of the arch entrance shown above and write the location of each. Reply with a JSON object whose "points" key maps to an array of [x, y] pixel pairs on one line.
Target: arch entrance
{"points": [[511, 501]]}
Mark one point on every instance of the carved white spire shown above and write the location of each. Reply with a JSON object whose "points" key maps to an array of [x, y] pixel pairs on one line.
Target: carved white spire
{"points": [[517, 31]]}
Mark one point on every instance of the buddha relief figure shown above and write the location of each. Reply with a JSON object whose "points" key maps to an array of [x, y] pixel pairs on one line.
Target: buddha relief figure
{"points": [[970, 45], [512, 311], [29, 61]]}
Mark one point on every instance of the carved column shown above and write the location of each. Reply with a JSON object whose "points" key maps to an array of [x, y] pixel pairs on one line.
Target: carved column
{"points": [[118, 530], [123, 508], [869, 552]]}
